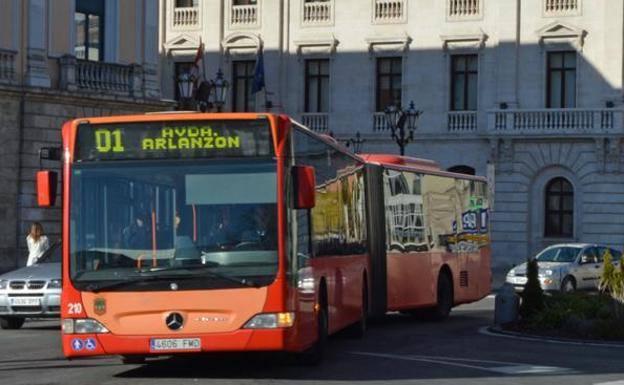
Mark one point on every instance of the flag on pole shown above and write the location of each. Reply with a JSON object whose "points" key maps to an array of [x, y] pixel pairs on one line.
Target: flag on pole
{"points": [[199, 56], [258, 81]]}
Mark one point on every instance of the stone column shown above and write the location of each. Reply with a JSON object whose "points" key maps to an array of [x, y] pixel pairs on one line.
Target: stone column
{"points": [[37, 58], [151, 81], [68, 73], [507, 52]]}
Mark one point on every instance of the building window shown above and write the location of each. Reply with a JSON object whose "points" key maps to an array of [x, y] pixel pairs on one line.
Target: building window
{"points": [[89, 24], [179, 69], [559, 209], [186, 3], [245, 2], [389, 79], [561, 80], [242, 81], [464, 82], [317, 85]]}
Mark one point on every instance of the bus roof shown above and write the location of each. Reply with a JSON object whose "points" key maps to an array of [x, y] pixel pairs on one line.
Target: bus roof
{"points": [[408, 163]]}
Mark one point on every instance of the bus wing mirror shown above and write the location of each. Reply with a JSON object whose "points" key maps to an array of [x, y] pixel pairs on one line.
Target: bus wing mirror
{"points": [[46, 188], [305, 187]]}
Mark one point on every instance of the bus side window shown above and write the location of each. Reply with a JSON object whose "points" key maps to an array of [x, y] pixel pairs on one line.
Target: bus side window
{"points": [[303, 238]]}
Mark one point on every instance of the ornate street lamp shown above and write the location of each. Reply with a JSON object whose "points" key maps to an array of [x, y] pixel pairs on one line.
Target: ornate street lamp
{"points": [[356, 142], [395, 121], [209, 93]]}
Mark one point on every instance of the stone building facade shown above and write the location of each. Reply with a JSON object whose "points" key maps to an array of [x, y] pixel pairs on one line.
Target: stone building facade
{"points": [[61, 60], [528, 92]]}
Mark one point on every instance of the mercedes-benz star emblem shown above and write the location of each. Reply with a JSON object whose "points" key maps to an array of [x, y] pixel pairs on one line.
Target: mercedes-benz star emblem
{"points": [[174, 321], [173, 286]]}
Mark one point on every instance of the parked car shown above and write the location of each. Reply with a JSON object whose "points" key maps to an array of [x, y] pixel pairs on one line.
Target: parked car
{"points": [[32, 291], [566, 267]]}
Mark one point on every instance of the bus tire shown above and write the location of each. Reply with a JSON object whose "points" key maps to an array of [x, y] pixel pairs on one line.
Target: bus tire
{"points": [[133, 360], [11, 323], [314, 355], [445, 300], [358, 329]]}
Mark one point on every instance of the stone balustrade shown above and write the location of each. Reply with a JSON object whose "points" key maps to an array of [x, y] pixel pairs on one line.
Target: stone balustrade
{"points": [[318, 122], [464, 8], [318, 12], [379, 122], [243, 15], [556, 121], [7, 65], [462, 121], [185, 17], [389, 10], [561, 6]]}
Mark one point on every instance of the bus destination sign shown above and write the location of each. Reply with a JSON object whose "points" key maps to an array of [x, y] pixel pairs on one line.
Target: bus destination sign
{"points": [[173, 140]]}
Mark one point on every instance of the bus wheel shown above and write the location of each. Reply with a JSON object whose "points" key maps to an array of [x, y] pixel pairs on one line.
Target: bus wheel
{"points": [[358, 329], [11, 323], [445, 298], [133, 360], [314, 355]]}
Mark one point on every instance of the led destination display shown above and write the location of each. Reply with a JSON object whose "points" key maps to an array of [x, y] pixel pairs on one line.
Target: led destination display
{"points": [[173, 140]]}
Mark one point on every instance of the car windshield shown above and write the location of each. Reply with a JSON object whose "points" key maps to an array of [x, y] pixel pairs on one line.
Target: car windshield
{"points": [[138, 219], [559, 254], [52, 255]]}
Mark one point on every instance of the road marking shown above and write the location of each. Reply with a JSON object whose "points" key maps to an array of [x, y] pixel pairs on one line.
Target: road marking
{"points": [[501, 367], [611, 383], [484, 330]]}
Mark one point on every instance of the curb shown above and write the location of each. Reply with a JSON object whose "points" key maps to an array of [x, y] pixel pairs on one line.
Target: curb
{"points": [[497, 332]]}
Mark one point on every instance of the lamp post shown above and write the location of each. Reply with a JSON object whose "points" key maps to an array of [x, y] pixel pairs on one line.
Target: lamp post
{"points": [[396, 118], [356, 142], [204, 96]]}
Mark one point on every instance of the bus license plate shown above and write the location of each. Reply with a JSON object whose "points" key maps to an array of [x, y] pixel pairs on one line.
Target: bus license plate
{"points": [[18, 301], [175, 344]]}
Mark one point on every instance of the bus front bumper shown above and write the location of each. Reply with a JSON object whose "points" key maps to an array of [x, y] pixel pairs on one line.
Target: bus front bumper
{"points": [[81, 345]]}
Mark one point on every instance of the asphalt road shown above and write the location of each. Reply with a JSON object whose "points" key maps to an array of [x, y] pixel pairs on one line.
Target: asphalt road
{"points": [[401, 350]]}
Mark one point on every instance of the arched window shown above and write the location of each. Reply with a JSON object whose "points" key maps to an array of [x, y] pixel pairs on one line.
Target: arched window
{"points": [[462, 169], [559, 219]]}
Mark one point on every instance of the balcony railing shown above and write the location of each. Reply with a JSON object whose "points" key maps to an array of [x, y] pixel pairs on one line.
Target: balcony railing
{"points": [[98, 76], [555, 121], [244, 15], [318, 122], [462, 121], [460, 9], [389, 11], [7, 65], [318, 12], [379, 122], [561, 7], [186, 17]]}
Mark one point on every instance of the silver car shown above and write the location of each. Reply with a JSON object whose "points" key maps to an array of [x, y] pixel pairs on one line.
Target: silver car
{"points": [[566, 267], [32, 291]]}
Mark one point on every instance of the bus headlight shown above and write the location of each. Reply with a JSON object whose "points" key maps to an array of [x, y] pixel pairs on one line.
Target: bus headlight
{"points": [[271, 321], [83, 326]]}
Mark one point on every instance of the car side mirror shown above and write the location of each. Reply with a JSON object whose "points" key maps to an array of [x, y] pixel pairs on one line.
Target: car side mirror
{"points": [[46, 188], [304, 187]]}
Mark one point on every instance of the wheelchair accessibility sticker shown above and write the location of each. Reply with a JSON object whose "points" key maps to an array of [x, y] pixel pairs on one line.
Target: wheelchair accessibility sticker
{"points": [[90, 344]]}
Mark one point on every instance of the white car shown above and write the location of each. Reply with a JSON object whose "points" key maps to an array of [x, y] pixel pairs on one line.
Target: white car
{"points": [[566, 267], [32, 291]]}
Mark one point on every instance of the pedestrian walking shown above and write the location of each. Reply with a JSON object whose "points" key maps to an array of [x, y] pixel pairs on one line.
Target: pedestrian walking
{"points": [[37, 243]]}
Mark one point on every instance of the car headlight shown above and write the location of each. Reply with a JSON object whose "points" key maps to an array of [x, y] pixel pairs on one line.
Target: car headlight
{"points": [[3, 284], [55, 284], [271, 321], [82, 326], [546, 273], [511, 273]]}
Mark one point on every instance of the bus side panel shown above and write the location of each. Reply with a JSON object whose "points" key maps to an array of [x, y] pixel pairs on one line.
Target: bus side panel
{"points": [[412, 284], [378, 276]]}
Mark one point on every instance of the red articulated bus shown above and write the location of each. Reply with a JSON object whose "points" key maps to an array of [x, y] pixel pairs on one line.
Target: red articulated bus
{"points": [[193, 232]]}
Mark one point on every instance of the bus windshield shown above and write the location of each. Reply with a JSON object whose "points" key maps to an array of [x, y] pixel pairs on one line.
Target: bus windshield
{"points": [[209, 223]]}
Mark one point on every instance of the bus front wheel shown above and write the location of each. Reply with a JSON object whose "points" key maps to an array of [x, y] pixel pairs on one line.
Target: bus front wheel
{"points": [[314, 355]]}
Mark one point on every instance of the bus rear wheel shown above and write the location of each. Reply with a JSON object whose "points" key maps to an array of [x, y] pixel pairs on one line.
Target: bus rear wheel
{"points": [[445, 301]]}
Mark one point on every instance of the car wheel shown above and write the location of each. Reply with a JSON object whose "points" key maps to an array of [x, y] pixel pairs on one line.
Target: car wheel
{"points": [[568, 285], [11, 323]]}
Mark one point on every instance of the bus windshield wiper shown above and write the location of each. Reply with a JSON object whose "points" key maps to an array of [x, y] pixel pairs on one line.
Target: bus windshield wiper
{"points": [[203, 270], [148, 276]]}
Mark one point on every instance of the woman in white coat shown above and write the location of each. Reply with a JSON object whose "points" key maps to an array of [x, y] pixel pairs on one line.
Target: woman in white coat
{"points": [[37, 242]]}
